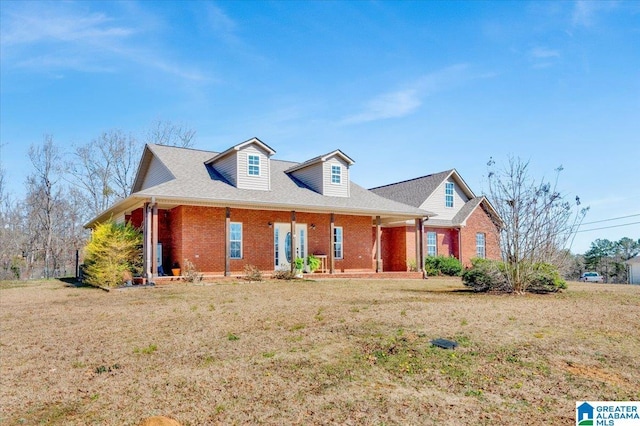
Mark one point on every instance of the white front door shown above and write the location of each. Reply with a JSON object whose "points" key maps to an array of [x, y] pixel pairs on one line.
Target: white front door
{"points": [[282, 244]]}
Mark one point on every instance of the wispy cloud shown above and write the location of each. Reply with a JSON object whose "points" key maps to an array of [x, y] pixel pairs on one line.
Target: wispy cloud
{"points": [[29, 25], [221, 24], [542, 57], [404, 101], [585, 12], [63, 36], [543, 53]]}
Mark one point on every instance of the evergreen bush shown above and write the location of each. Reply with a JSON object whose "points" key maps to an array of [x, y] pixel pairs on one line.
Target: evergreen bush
{"points": [[113, 254], [442, 265], [491, 275], [546, 279]]}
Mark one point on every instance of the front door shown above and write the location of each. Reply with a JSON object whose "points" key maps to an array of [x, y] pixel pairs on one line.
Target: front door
{"points": [[282, 244]]}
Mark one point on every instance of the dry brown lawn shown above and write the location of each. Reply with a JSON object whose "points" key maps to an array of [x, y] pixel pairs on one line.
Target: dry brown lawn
{"points": [[326, 352]]}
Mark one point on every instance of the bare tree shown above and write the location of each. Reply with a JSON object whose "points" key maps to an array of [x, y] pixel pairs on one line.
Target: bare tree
{"points": [[538, 222], [103, 170], [43, 195], [168, 133]]}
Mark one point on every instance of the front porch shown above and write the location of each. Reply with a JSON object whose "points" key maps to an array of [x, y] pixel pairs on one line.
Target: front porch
{"points": [[317, 276]]}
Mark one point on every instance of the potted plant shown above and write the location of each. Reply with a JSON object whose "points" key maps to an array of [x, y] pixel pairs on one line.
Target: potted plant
{"points": [[313, 262], [175, 269], [299, 267]]}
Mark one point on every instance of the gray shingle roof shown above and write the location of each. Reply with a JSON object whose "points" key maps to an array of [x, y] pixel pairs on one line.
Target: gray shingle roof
{"points": [[466, 210], [194, 180], [414, 191]]}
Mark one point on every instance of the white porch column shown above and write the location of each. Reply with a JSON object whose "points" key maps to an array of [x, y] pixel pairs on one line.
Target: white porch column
{"points": [[332, 246], [378, 239], [293, 241], [154, 240]]}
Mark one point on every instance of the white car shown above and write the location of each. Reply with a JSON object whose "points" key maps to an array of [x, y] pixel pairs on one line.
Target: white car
{"points": [[591, 277]]}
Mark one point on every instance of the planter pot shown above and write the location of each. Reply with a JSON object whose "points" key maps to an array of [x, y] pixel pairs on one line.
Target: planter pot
{"points": [[175, 272]]}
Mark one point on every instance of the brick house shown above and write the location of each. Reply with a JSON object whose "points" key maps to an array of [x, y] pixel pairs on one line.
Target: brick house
{"points": [[225, 210], [464, 226]]}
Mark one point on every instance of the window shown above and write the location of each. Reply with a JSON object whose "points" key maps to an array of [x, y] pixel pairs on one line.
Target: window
{"points": [[254, 165], [336, 176], [448, 194], [432, 245], [337, 242], [480, 246], [235, 240], [276, 240], [303, 249]]}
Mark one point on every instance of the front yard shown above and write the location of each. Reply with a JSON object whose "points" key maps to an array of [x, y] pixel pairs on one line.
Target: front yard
{"points": [[329, 352]]}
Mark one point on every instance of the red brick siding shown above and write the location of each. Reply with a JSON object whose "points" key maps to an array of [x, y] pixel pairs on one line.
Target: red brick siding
{"points": [[446, 241], [357, 243], [393, 244], [165, 234], [198, 234], [479, 221]]}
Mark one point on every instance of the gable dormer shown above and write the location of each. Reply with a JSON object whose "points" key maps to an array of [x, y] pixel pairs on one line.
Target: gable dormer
{"points": [[450, 195], [151, 170], [327, 174], [245, 165]]}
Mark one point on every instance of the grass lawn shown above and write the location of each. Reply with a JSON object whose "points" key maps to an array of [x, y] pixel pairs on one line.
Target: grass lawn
{"points": [[327, 352]]}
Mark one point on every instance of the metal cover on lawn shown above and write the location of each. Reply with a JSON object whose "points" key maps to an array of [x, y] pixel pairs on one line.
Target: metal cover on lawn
{"points": [[444, 343]]}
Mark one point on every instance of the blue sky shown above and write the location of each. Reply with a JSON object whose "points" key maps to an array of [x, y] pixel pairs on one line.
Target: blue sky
{"points": [[404, 88]]}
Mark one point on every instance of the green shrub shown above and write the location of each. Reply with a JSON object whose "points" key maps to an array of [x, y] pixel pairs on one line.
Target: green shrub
{"points": [[313, 262], [113, 254], [485, 275], [449, 266], [442, 265], [546, 279], [490, 275]]}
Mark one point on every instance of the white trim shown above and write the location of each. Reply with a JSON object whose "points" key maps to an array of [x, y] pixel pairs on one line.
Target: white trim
{"points": [[231, 240], [482, 246], [249, 165], [452, 186], [338, 167], [435, 243], [336, 243]]}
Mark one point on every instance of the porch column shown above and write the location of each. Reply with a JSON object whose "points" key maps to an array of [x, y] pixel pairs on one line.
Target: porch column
{"points": [[293, 241], [378, 233], [419, 245], [227, 243], [154, 240], [146, 241], [332, 246]]}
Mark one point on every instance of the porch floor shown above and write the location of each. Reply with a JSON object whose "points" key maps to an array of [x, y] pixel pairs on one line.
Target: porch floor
{"points": [[388, 275]]}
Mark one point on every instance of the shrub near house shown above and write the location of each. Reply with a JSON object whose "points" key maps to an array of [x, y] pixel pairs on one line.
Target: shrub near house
{"points": [[490, 275], [113, 255], [442, 265]]}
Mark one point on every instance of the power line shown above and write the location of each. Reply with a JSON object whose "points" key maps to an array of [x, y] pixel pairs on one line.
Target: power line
{"points": [[608, 220], [607, 227]]}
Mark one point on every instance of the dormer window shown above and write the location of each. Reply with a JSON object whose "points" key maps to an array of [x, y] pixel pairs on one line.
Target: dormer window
{"points": [[448, 194], [336, 176], [254, 165]]}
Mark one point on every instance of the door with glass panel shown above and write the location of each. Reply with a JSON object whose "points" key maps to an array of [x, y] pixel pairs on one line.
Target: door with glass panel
{"points": [[282, 244]]}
